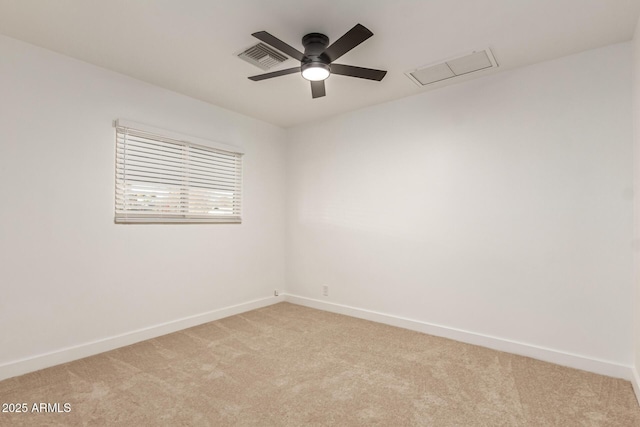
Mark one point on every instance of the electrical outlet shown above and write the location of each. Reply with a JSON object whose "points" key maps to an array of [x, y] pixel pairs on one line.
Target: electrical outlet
{"points": [[325, 290], [276, 293]]}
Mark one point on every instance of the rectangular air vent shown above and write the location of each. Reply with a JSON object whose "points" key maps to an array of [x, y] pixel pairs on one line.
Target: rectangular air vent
{"points": [[263, 56], [452, 68]]}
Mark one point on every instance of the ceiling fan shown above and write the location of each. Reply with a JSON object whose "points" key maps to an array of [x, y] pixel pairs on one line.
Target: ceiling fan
{"points": [[316, 63]]}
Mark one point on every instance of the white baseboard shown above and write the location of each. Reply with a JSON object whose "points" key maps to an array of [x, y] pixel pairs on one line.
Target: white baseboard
{"points": [[69, 354], [576, 361], [635, 382]]}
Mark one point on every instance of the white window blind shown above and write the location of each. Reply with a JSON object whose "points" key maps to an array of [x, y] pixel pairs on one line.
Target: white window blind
{"points": [[162, 179]]}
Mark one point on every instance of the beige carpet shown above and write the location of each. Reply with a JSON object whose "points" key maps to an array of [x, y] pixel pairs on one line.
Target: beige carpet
{"points": [[287, 365]]}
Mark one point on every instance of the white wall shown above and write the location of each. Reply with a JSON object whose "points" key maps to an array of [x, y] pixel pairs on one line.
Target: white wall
{"points": [[70, 276], [636, 246], [500, 207]]}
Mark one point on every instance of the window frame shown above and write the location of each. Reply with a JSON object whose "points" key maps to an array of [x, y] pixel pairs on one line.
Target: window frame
{"points": [[178, 198]]}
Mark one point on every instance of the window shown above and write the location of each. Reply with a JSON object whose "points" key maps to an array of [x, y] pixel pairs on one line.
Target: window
{"points": [[167, 178]]}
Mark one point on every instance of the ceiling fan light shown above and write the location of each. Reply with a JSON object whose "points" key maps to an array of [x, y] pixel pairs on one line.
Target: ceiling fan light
{"points": [[315, 72]]}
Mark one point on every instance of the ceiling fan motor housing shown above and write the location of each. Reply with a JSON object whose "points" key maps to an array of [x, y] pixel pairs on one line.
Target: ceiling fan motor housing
{"points": [[314, 46]]}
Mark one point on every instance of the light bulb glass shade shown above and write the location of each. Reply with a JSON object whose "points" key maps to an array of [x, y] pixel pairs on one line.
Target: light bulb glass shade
{"points": [[315, 72]]}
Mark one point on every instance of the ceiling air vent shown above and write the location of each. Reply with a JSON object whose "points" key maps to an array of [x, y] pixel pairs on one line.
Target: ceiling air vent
{"points": [[452, 68], [263, 56]]}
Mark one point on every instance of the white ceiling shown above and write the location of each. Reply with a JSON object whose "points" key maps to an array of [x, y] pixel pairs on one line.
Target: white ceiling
{"points": [[190, 46]]}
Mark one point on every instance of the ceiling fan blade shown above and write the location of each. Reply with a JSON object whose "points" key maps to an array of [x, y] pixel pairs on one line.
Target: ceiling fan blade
{"points": [[348, 41], [317, 89], [361, 73], [279, 44], [275, 74]]}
